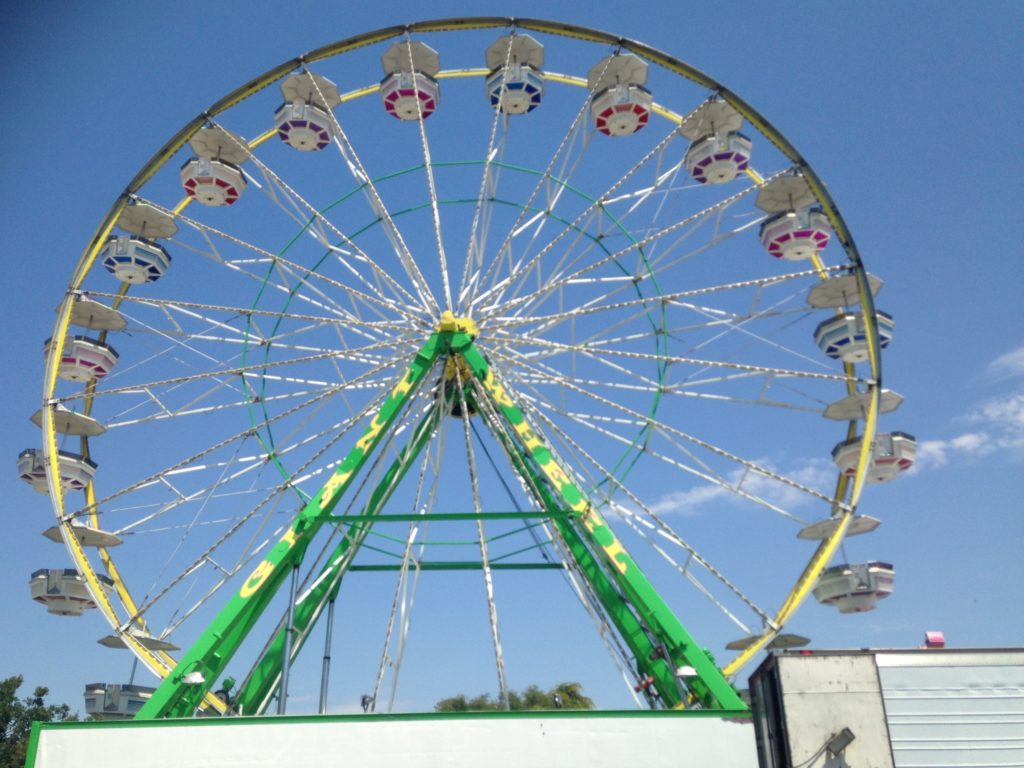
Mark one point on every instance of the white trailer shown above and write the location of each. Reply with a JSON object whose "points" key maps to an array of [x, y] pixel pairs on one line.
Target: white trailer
{"points": [[890, 708]]}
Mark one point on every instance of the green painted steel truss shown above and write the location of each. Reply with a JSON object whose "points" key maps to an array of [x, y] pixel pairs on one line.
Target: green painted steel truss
{"points": [[682, 672]]}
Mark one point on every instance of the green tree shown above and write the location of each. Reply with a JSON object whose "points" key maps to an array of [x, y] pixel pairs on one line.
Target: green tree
{"points": [[571, 696], [16, 719], [561, 696]]}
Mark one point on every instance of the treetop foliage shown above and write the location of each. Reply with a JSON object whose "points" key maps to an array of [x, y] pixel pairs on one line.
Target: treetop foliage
{"points": [[16, 717], [561, 696]]}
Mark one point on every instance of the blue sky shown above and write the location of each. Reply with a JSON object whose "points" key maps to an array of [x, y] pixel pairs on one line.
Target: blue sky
{"points": [[906, 110]]}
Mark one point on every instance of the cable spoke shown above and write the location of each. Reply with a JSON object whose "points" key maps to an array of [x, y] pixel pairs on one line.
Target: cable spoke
{"points": [[524, 302], [503, 251], [609, 477], [355, 167], [651, 423], [474, 482], [405, 257]]}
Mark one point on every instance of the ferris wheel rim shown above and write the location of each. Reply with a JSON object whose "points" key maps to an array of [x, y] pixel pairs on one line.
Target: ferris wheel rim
{"points": [[161, 663]]}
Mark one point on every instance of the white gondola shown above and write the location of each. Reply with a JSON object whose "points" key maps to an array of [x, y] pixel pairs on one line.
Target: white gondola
{"points": [[83, 359], [302, 126], [409, 89], [109, 701], [304, 121], [785, 193], [515, 90], [76, 471], [64, 591], [621, 105], [213, 176], [519, 87], [134, 260], [778, 642], [844, 337], [718, 159], [796, 235], [711, 117], [891, 454], [147, 220], [718, 152], [146, 641], [622, 110], [855, 588], [212, 182]]}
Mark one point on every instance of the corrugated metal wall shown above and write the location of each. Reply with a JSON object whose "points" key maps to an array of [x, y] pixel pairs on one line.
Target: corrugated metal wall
{"points": [[954, 709]]}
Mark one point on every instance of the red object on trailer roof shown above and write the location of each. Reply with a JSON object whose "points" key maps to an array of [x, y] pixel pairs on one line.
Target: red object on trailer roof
{"points": [[934, 639]]}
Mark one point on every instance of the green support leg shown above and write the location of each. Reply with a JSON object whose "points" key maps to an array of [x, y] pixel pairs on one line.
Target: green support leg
{"points": [[182, 691], [256, 691], [708, 685], [632, 631]]}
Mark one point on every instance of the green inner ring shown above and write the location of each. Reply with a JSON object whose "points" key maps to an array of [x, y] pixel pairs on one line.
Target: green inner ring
{"points": [[656, 319]]}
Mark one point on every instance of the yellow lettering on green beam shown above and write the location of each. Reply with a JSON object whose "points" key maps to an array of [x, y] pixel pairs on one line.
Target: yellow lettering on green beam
{"points": [[572, 496], [605, 538], [497, 391], [338, 479], [528, 436], [613, 551], [557, 476], [334, 482], [371, 433], [256, 579], [262, 571], [404, 386]]}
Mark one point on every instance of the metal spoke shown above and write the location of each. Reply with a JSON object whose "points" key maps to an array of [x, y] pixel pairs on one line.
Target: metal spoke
{"points": [[355, 167], [488, 190], [609, 476], [405, 256], [645, 419], [504, 250]]}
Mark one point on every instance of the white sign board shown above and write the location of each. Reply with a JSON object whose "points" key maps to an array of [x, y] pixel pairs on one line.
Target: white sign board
{"points": [[534, 739]]}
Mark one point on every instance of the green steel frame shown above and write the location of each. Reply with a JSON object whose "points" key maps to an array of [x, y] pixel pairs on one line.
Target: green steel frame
{"points": [[682, 672]]}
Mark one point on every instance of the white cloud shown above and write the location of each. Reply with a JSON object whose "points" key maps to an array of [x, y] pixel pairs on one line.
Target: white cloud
{"points": [[998, 425], [939, 453], [687, 503], [994, 425], [1008, 366], [1005, 414], [818, 474]]}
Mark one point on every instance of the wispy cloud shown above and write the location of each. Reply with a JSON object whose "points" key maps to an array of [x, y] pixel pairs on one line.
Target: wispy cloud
{"points": [[939, 453], [1008, 366], [688, 503], [813, 473], [1005, 414], [994, 425]]}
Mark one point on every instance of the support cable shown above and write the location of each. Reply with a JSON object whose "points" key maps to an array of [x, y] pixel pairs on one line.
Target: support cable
{"points": [[571, 571], [484, 557], [407, 558]]}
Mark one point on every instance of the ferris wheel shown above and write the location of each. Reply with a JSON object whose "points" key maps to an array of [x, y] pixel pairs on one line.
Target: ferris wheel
{"points": [[478, 296]]}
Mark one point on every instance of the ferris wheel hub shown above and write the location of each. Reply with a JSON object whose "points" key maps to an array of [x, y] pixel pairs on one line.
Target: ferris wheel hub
{"points": [[449, 323]]}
